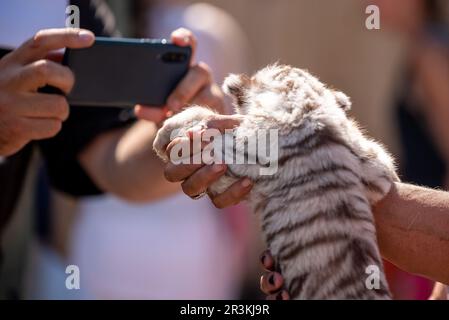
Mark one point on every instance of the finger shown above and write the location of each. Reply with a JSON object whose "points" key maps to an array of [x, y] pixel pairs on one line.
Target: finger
{"points": [[282, 295], [198, 182], [267, 261], [236, 193], [38, 129], [56, 56], [271, 282], [45, 72], [52, 39], [197, 77], [210, 96], [176, 173], [41, 105], [194, 141], [176, 141], [223, 122], [149, 113], [184, 37], [204, 97]]}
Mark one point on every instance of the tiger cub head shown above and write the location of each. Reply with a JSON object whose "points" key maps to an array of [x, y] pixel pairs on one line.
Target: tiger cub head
{"points": [[284, 93]]}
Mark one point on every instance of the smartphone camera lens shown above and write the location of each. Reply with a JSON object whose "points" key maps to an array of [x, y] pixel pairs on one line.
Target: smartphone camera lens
{"points": [[174, 57]]}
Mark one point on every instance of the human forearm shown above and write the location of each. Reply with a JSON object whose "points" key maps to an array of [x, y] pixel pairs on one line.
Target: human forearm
{"points": [[413, 230], [122, 162]]}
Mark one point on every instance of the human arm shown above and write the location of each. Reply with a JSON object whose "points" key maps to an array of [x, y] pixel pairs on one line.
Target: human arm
{"points": [[432, 70], [413, 230], [122, 161]]}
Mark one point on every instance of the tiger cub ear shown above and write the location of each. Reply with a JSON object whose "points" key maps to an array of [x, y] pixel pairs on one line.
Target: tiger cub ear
{"points": [[343, 100], [236, 86]]}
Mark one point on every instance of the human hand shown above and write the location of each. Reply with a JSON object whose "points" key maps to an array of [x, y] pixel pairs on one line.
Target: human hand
{"points": [[196, 178], [197, 87], [25, 114], [271, 282]]}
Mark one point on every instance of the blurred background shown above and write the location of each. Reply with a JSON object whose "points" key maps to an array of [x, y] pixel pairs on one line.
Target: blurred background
{"points": [[397, 77]]}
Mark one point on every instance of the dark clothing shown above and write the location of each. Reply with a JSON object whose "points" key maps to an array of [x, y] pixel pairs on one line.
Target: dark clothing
{"points": [[83, 125], [421, 161], [12, 175], [60, 152]]}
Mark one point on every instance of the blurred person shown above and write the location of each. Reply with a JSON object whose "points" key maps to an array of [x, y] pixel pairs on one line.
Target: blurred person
{"points": [[422, 106], [222, 42], [76, 156], [90, 137], [170, 248], [27, 117], [94, 150], [25, 114]]}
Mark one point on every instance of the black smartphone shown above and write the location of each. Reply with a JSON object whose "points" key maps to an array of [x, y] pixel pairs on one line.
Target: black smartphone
{"points": [[118, 72]]}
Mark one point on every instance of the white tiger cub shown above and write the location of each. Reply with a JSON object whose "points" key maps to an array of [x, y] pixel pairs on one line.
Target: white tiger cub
{"points": [[315, 210]]}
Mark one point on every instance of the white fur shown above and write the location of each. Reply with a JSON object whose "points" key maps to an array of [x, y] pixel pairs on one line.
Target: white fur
{"points": [[300, 106]]}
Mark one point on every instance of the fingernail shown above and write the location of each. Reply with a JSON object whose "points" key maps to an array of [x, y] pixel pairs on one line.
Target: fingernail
{"points": [[218, 168], [246, 183], [85, 36], [271, 279], [279, 296]]}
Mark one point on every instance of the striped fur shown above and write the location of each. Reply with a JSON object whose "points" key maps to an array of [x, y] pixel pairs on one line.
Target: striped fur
{"points": [[315, 210]]}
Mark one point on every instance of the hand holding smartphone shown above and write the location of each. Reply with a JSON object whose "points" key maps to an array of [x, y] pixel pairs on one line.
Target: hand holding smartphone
{"points": [[117, 72]]}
